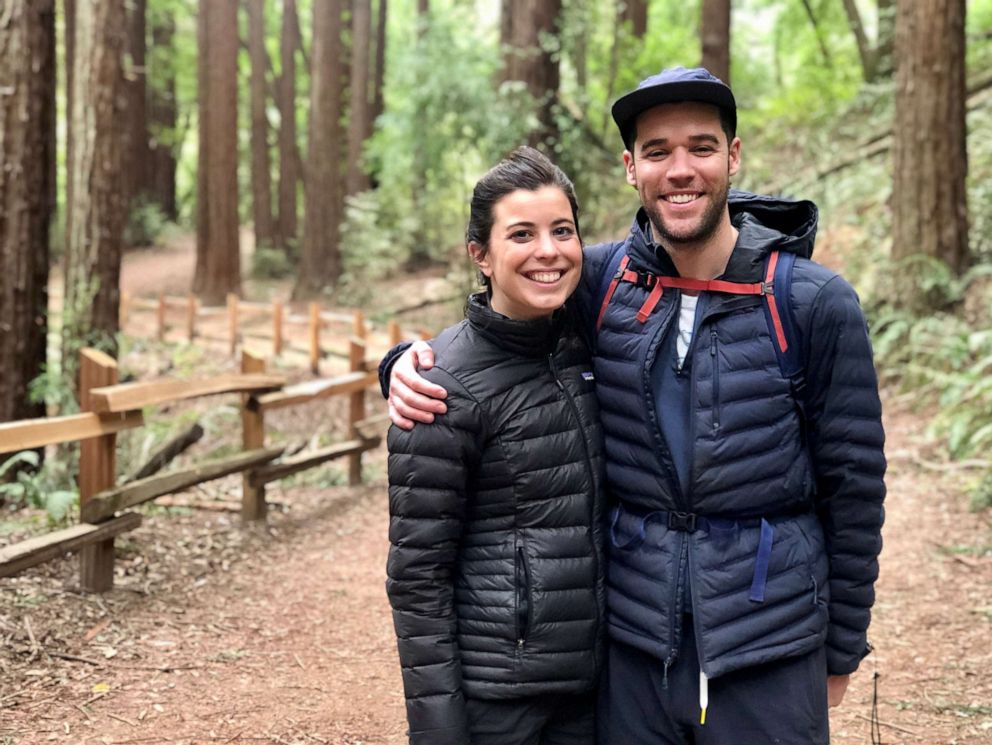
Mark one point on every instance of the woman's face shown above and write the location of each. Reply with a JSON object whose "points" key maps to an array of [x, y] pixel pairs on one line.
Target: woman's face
{"points": [[534, 259]]}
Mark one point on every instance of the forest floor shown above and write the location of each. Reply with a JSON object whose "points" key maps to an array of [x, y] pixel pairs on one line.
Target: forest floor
{"points": [[282, 633]]}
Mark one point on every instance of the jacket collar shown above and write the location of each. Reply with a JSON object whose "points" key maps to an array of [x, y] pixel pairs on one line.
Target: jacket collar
{"points": [[536, 338]]}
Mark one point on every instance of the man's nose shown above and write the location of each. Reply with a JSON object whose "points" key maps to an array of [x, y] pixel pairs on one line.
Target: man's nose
{"points": [[680, 165]]}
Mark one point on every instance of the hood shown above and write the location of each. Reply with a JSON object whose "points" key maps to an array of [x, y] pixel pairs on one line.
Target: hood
{"points": [[765, 223]]}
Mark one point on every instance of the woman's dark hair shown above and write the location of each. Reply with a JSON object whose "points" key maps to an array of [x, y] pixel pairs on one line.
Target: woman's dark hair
{"points": [[524, 168]]}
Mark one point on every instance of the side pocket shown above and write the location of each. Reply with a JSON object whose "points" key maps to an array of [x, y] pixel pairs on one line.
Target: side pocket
{"points": [[522, 581], [715, 361]]}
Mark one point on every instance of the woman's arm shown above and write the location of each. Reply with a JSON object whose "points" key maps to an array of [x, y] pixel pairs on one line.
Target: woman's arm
{"points": [[428, 478]]}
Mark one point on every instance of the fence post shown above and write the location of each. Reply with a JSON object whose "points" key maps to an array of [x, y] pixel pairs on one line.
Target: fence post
{"points": [[97, 470], [253, 506], [356, 409], [232, 317], [358, 325], [315, 338], [277, 328], [160, 317], [191, 305], [395, 332]]}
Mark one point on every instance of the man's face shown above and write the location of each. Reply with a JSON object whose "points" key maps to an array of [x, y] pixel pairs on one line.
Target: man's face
{"points": [[681, 167]]}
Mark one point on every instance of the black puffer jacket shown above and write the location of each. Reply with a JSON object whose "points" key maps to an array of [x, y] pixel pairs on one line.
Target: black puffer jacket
{"points": [[495, 574]]}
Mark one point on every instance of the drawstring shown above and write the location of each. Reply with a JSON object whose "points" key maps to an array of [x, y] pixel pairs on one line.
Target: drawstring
{"points": [[704, 696]]}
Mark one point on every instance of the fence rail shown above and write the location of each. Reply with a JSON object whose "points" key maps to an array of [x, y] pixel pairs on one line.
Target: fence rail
{"points": [[110, 407]]}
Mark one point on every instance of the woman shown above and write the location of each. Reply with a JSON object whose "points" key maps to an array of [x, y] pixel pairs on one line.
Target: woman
{"points": [[495, 574]]}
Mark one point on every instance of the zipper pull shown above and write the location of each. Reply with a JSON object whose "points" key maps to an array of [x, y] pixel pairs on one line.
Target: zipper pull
{"points": [[554, 371], [664, 677], [713, 343], [704, 696]]}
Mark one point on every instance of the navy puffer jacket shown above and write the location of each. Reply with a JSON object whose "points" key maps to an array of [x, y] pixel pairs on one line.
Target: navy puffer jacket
{"points": [[815, 488], [495, 575]]}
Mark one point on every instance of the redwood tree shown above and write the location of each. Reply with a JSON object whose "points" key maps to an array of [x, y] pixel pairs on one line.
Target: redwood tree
{"points": [[636, 13], [360, 108], [929, 156], [218, 264], [528, 60], [27, 152], [96, 214], [137, 173], [289, 172], [379, 76], [162, 116], [714, 35], [320, 262], [261, 178]]}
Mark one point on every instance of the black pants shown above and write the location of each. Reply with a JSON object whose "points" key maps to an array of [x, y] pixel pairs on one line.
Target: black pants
{"points": [[783, 702], [552, 719]]}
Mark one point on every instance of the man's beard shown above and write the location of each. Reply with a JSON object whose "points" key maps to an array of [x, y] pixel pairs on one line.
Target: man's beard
{"points": [[709, 221]]}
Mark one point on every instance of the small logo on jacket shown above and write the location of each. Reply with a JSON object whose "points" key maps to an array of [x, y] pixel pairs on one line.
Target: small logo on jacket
{"points": [[588, 376]]}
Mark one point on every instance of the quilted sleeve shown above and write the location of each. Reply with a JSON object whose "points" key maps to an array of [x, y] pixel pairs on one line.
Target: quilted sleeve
{"points": [[428, 474], [846, 442]]}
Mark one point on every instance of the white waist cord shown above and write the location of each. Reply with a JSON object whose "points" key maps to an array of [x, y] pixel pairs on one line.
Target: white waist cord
{"points": [[704, 696]]}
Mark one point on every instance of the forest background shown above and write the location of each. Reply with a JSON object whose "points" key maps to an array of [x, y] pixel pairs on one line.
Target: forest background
{"points": [[349, 134]]}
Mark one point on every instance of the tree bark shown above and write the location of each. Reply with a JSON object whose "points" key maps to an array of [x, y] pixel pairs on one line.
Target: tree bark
{"points": [[163, 121], [379, 76], [929, 197], [27, 152], [320, 264], [528, 61], [884, 45], [137, 165], [289, 173], [359, 112], [714, 35], [261, 174], [217, 248], [635, 12], [94, 234]]}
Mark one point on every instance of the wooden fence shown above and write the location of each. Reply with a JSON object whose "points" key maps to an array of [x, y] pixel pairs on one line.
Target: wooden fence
{"points": [[109, 408], [188, 316]]}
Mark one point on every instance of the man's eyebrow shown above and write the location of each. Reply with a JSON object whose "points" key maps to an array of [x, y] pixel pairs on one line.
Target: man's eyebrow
{"points": [[705, 137]]}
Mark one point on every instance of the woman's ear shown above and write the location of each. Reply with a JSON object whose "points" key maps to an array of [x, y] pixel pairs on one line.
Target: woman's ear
{"points": [[481, 258]]}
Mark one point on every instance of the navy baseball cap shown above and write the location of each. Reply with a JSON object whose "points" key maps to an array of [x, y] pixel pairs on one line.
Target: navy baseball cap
{"points": [[674, 85]]}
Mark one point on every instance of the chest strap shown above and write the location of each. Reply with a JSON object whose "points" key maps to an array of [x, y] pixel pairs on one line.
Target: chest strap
{"points": [[656, 285]]}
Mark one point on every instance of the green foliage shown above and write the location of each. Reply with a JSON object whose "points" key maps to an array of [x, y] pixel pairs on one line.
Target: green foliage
{"points": [[271, 263], [43, 488], [145, 224]]}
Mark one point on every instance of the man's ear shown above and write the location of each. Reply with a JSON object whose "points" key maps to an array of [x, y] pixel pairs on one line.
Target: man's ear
{"points": [[629, 168], [734, 163], [481, 258]]}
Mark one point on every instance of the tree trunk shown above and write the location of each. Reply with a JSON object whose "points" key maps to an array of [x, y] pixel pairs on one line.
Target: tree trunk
{"points": [[865, 51], [359, 112], [379, 76], [261, 175], [94, 234], [929, 198], [536, 66], [137, 164], [320, 264], [163, 123], [218, 256], [289, 174], [884, 45], [69, 10], [27, 152], [635, 12], [714, 33]]}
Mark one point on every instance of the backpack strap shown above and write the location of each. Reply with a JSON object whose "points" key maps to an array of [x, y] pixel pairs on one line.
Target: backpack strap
{"points": [[609, 280]]}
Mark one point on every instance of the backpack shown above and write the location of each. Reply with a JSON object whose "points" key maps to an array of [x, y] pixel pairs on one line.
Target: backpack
{"points": [[775, 290]]}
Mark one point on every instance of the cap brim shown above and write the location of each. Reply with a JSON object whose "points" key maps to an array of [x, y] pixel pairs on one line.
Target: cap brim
{"points": [[627, 108]]}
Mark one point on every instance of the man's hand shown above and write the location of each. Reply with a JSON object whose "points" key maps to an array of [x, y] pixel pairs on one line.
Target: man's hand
{"points": [[412, 398], [836, 687]]}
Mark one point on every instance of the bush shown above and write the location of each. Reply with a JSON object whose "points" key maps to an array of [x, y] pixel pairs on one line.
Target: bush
{"points": [[270, 263], [145, 224]]}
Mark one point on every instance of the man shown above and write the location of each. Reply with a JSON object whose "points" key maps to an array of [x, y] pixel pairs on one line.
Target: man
{"points": [[747, 503]]}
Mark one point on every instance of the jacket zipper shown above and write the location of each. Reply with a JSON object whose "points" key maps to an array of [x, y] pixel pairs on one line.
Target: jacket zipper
{"points": [[715, 362], [523, 594], [589, 469], [652, 413]]}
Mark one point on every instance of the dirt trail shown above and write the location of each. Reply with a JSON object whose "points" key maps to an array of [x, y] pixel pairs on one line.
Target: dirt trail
{"points": [[282, 634]]}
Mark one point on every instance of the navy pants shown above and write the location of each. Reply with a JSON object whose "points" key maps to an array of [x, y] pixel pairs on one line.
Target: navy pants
{"points": [[551, 719], [783, 702]]}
